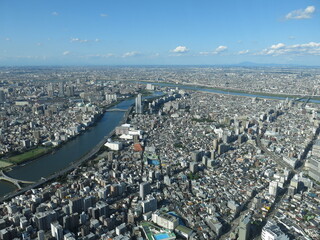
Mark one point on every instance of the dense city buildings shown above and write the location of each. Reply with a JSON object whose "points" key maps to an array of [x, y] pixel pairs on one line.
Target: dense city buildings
{"points": [[186, 164]]}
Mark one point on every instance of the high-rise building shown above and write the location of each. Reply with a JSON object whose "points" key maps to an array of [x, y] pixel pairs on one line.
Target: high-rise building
{"points": [[88, 202], [273, 188], [244, 227], [41, 235], [103, 208], [194, 167], [56, 231], [44, 219], [313, 167], [149, 205], [61, 89], [50, 90], [145, 189], [70, 91], [76, 204], [2, 96], [139, 104]]}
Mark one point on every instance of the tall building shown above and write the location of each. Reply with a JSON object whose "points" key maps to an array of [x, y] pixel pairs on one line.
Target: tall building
{"points": [[70, 91], [76, 204], [88, 202], [44, 219], [2, 96], [273, 188], [56, 231], [149, 205], [61, 89], [313, 163], [145, 189], [194, 167], [41, 235], [244, 227], [139, 104], [50, 90]]}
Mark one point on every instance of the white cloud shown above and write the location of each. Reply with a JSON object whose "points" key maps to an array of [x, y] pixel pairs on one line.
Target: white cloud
{"points": [[180, 49], [205, 53], [108, 55], [79, 40], [221, 49], [218, 50], [131, 54], [301, 13], [311, 48], [278, 46], [103, 15], [7, 39], [65, 53], [243, 52], [54, 14]]}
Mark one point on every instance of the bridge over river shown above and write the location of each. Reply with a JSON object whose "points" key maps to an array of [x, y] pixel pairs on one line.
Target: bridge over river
{"points": [[14, 181], [116, 110]]}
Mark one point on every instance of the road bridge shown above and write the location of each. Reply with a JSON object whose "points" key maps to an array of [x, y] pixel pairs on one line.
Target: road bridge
{"points": [[116, 110], [14, 181]]}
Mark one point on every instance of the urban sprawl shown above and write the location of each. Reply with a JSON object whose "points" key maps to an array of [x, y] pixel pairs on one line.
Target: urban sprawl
{"points": [[186, 164]]}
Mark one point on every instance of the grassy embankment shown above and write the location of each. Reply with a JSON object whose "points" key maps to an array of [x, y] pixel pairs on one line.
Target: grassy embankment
{"points": [[40, 151], [26, 156]]}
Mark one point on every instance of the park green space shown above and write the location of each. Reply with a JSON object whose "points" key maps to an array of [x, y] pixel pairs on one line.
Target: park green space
{"points": [[29, 155], [4, 164]]}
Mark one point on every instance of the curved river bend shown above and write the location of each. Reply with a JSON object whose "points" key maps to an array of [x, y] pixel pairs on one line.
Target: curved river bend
{"points": [[76, 148], [69, 152]]}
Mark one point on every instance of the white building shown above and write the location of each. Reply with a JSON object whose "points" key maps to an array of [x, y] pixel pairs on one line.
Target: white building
{"points": [[271, 231], [139, 104], [56, 230], [115, 146], [165, 220], [111, 97], [273, 188]]}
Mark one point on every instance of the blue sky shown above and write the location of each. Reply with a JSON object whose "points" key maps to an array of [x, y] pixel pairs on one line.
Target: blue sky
{"points": [[125, 32]]}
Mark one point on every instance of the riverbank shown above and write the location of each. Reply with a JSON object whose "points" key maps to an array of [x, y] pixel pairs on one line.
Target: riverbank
{"points": [[229, 90], [6, 163], [73, 165]]}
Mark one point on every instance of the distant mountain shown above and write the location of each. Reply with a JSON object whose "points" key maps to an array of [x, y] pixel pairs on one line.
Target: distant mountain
{"points": [[253, 64]]}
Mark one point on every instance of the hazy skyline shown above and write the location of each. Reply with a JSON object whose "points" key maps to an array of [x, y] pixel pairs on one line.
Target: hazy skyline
{"points": [[125, 32]]}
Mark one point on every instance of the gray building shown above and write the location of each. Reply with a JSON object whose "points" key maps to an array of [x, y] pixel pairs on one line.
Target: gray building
{"points": [[145, 189], [244, 227], [139, 104]]}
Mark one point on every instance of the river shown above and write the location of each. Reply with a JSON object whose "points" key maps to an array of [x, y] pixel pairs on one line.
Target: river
{"points": [[204, 89], [69, 152], [76, 148]]}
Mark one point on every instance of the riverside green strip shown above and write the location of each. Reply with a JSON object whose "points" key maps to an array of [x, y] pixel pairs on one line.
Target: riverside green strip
{"points": [[32, 154]]}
